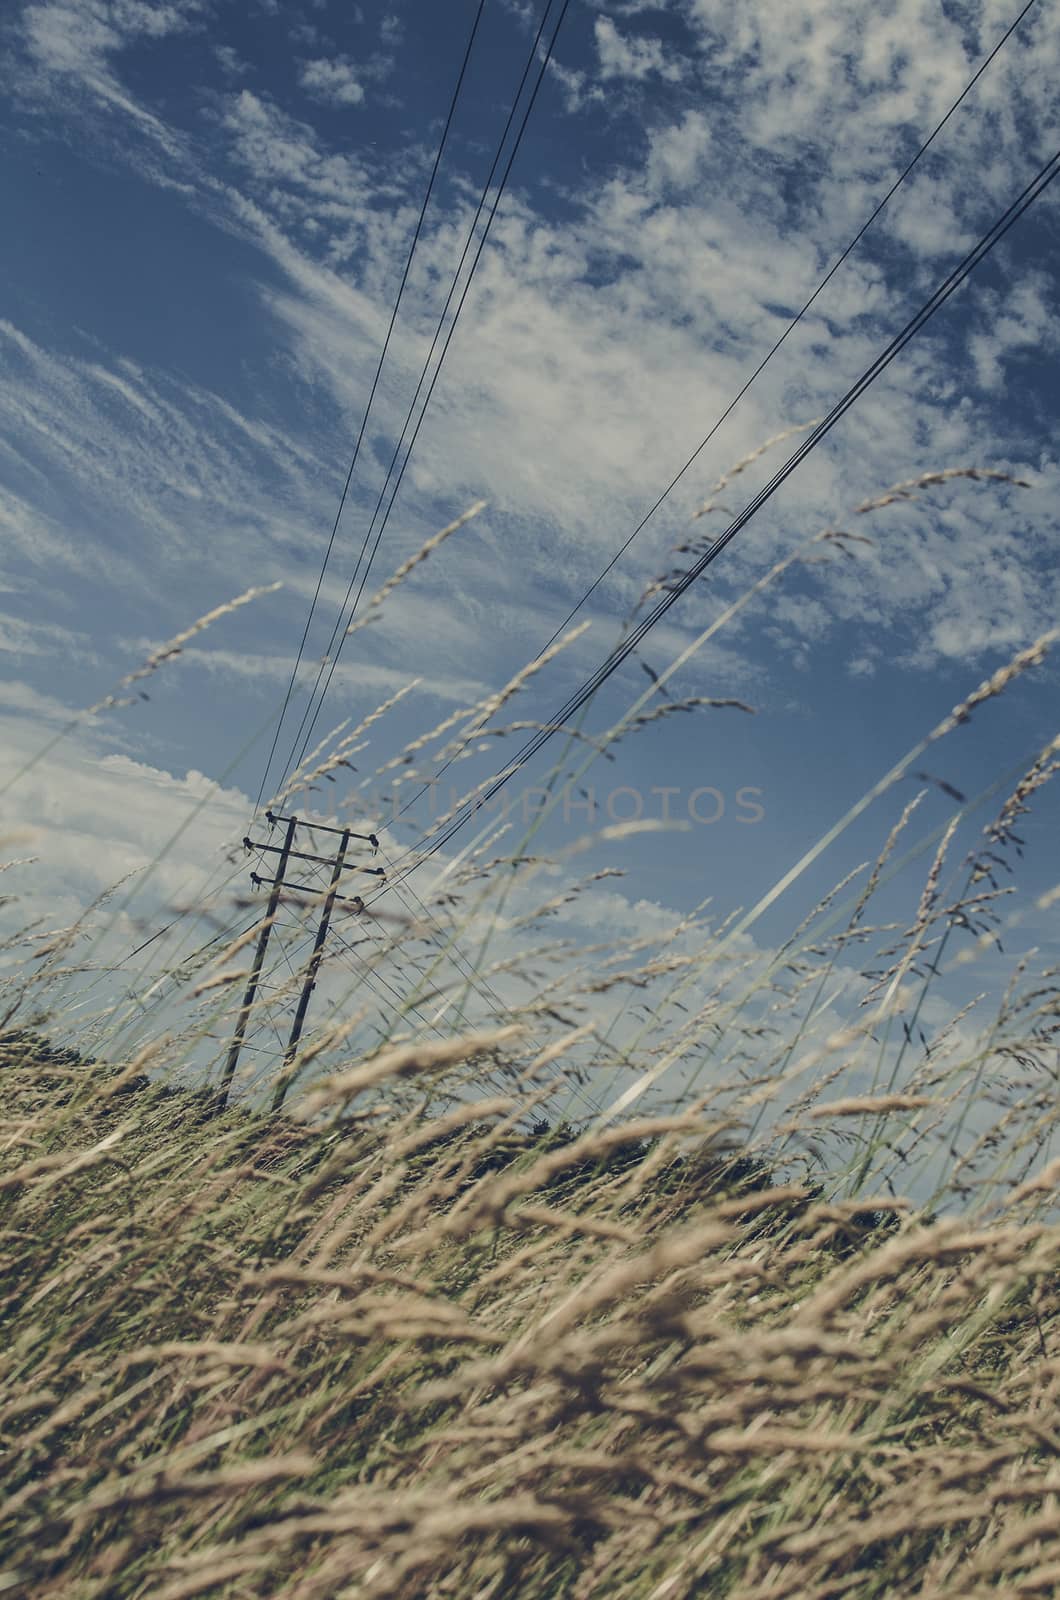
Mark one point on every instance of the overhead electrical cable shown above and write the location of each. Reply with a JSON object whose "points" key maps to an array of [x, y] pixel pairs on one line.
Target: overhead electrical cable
{"points": [[631, 643], [339, 633], [905, 173], [793, 324], [449, 949], [369, 976], [632, 640], [371, 395], [468, 974], [366, 976], [766, 359]]}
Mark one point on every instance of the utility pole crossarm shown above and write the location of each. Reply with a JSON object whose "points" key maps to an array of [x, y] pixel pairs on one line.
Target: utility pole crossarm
{"points": [[304, 888], [322, 827], [304, 855]]}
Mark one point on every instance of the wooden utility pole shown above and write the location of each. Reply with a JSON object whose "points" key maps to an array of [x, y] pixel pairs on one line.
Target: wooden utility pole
{"points": [[278, 885], [311, 973], [255, 971]]}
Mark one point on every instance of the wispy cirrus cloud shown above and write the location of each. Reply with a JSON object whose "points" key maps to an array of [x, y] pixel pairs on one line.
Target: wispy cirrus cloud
{"points": [[128, 439], [76, 44], [616, 312]]}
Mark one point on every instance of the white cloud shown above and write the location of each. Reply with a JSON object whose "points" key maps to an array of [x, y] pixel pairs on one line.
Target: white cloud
{"points": [[230, 61], [35, 538], [1020, 321], [77, 41], [577, 91], [569, 395], [598, 345], [850, 78], [300, 181], [628, 56], [29, 702], [332, 81], [678, 151], [21, 636], [135, 442], [94, 816], [363, 678]]}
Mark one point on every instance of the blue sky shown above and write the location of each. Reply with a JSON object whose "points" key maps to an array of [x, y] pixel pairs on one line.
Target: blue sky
{"points": [[207, 208]]}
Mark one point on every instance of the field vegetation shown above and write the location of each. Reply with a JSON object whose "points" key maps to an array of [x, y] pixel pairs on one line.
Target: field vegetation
{"points": [[498, 1311]]}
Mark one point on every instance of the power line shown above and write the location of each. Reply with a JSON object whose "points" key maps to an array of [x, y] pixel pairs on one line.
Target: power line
{"points": [[476, 981], [369, 973], [286, 701], [838, 263], [766, 359], [625, 648], [459, 961], [718, 545], [334, 649], [371, 395], [793, 324], [371, 977], [618, 656], [339, 633]]}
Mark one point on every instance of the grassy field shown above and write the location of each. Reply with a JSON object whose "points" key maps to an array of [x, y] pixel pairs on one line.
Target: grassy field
{"points": [[390, 1357], [434, 1331]]}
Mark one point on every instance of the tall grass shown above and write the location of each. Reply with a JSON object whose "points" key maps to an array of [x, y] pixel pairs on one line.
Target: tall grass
{"points": [[662, 1268]]}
